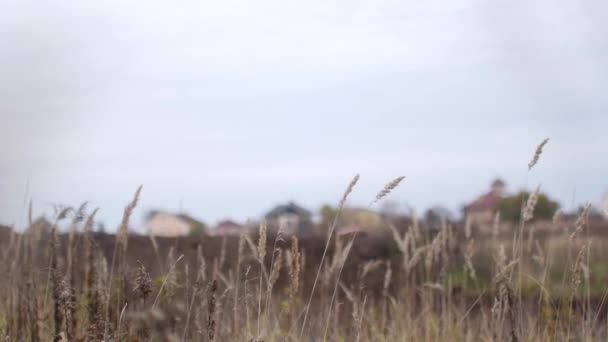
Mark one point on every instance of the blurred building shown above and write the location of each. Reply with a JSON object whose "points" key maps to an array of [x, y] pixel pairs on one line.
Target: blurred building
{"points": [[481, 211], [290, 217], [227, 228], [161, 223]]}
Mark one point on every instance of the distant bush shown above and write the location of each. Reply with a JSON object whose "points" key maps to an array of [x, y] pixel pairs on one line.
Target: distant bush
{"points": [[510, 207], [198, 228]]}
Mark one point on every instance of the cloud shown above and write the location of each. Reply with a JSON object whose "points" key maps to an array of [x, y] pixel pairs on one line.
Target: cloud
{"points": [[221, 99]]}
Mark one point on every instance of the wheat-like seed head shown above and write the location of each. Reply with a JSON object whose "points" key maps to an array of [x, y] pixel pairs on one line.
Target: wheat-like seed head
{"points": [[294, 259], [276, 268], [143, 282], [581, 221], [537, 153], [528, 212], [88, 225], [124, 225], [65, 294], [80, 213], [211, 308], [435, 248], [262, 242], [348, 190], [390, 186], [95, 330], [62, 212]]}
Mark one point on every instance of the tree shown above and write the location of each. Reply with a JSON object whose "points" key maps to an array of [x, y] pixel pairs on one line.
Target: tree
{"points": [[510, 207], [197, 227], [434, 216]]}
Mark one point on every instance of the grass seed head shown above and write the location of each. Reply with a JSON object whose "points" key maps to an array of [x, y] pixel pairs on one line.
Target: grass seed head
{"points": [[262, 242], [528, 211], [390, 186], [537, 153], [349, 189], [143, 282]]}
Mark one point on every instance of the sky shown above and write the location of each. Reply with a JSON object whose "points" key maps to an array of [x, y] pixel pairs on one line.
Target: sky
{"points": [[223, 109]]}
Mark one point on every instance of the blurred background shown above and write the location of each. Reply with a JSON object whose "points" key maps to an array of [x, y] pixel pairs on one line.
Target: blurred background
{"points": [[223, 109]]}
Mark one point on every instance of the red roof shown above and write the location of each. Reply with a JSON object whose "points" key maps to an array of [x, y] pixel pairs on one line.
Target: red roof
{"points": [[227, 227], [484, 202]]}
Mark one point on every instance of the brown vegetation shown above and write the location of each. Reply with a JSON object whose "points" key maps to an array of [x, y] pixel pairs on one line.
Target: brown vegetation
{"points": [[401, 284]]}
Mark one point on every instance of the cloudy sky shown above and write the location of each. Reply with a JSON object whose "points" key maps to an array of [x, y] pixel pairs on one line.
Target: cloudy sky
{"points": [[224, 108]]}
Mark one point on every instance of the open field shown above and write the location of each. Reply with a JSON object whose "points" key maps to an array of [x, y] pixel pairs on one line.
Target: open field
{"points": [[404, 283]]}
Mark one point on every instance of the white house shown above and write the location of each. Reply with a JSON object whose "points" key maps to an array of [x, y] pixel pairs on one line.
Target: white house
{"points": [[161, 223]]}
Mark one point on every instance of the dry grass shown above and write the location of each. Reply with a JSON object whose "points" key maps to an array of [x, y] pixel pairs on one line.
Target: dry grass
{"points": [[450, 285]]}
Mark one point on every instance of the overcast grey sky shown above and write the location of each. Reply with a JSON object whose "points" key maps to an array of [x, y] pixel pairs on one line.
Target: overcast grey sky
{"points": [[224, 108]]}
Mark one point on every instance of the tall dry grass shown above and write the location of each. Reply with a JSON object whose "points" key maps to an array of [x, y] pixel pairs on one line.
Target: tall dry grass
{"points": [[449, 285]]}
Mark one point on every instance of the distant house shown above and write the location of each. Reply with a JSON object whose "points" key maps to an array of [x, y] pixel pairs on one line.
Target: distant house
{"points": [[481, 211], [290, 217], [227, 228], [161, 223]]}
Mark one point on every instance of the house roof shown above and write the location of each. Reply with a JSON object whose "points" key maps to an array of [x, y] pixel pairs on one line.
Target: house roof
{"points": [[487, 201], [289, 208], [227, 227], [228, 224], [189, 219], [167, 224], [183, 216]]}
